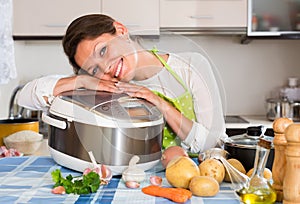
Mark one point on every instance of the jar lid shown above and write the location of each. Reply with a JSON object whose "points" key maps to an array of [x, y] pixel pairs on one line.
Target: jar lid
{"points": [[274, 100]]}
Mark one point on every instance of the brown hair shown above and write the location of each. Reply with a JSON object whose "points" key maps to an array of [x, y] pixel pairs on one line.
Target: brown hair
{"points": [[85, 27]]}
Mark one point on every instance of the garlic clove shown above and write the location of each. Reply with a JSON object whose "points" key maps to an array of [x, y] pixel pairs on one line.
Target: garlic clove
{"points": [[132, 184], [155, 180], [86, 171], [59, 190], [106, 173]]}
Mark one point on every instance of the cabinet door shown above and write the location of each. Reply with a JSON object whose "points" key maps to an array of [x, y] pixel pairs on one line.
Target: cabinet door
{"points": [[49, 18], [203, 13], [141, 17]]}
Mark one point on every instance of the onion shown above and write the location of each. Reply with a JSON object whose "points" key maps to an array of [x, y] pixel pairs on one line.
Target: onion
{"points": [[171, 153]]}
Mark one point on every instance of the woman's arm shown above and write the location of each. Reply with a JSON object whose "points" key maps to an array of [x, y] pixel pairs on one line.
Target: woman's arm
{"points": [[84, 81], [38, 94]]}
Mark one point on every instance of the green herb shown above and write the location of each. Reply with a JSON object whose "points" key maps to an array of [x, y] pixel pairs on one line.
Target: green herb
{"points": [[85, 184]]}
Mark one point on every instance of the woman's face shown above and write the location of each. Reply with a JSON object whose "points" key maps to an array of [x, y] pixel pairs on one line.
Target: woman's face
{"points": [[107, 57]]}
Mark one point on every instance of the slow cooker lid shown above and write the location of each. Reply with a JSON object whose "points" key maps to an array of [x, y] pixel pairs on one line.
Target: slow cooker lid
{"points": [[116, 107]]}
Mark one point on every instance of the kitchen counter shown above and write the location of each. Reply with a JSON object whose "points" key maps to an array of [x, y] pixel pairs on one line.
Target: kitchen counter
{"points": [[28, 180], [251, 120]]}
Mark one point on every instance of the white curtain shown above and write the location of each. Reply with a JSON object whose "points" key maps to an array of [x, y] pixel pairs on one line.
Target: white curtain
{"points": [[7, 57]]}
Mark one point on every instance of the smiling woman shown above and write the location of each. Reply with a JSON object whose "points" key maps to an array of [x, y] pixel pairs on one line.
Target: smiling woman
{"points": [[102, 60], [182, 85]]}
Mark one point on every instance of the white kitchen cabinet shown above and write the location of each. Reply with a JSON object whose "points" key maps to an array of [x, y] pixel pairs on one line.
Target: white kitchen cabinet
{"points": [[49, 18], [141, 17], [203, 13]]}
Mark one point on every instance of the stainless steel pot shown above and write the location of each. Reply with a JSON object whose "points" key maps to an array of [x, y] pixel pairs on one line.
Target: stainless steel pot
{"points": [[295, 111], [243, 147], [277, 108], [282, 108]]}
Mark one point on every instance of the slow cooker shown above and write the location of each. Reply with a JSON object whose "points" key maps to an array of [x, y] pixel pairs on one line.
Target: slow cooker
{"points": [[114, 127]]}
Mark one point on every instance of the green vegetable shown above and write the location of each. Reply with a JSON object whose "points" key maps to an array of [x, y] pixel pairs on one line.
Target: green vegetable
{"points": [[85, 184]]}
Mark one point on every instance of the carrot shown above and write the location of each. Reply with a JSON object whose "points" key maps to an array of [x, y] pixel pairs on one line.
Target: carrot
{"points": [[178, 195]]}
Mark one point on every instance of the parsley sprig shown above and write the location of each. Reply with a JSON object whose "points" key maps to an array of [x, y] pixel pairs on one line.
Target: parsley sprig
{"points": [[85, 184]]}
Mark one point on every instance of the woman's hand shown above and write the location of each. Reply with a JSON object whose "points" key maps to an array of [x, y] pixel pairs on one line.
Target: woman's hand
{"points": [[85, 81], [177, 121], [139, 92]]}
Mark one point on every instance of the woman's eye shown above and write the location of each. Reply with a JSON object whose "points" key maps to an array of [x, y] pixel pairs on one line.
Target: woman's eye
{"points": [[95, 71], [102, 51]]}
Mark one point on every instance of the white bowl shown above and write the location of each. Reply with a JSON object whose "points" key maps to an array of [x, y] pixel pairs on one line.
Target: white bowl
{"points": [[25, 141]]}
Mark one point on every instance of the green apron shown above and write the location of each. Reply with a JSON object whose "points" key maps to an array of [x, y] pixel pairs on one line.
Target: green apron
{"points": [[183, 103]]}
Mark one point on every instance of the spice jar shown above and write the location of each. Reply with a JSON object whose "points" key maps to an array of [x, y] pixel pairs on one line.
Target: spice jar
{"points": [[259, 190]]}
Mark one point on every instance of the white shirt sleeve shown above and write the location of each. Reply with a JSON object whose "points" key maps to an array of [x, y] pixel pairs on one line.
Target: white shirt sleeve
{"points": [[195, 140], [31, 96], [209, 128]]}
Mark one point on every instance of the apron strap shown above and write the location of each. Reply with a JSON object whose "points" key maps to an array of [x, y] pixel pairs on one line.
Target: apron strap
{"points": [[154, 51]]}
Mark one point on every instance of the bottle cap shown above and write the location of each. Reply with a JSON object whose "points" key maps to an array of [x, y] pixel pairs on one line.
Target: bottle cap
{"points": [[264, 143]]}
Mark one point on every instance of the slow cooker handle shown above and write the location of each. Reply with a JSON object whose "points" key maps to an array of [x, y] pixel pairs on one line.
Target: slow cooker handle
{"points": [[54, 122]]}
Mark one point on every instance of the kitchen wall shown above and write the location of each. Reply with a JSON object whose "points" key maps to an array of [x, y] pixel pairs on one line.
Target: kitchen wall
{"points": [[248, 73]]}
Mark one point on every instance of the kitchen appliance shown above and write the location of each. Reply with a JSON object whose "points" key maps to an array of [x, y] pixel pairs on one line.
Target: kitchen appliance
{"points": [[114, 127], [274, 18], [243, 147], [282, 108], [287, 105]]}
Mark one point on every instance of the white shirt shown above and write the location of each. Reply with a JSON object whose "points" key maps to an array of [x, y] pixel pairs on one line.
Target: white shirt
{"points": [[194, 70]]}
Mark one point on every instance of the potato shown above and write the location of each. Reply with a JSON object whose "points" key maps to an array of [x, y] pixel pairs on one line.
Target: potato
{"points": [[267, 173], [213, 168], [236, 164], [204, 186], [180, 171]]}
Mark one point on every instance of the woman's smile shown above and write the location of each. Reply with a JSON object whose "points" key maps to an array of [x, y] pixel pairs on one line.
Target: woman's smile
{"points": [[118, 69]]}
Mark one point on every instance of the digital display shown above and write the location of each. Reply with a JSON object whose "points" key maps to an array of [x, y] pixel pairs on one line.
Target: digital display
{"points": [[137, 111]]}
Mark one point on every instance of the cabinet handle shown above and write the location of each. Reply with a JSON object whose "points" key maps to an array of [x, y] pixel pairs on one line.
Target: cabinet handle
{"points": [[55, 26], [202, 17]]}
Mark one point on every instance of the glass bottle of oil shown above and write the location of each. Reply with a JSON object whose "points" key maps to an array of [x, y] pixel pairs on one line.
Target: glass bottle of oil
{"points": [[259, 190]]}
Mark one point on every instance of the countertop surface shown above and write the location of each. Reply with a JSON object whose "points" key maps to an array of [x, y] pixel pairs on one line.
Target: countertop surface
{"points": [[250, 120], [28, 179]]}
